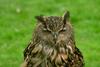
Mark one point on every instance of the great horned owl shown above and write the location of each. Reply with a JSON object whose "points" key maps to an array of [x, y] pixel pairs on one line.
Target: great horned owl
{"points": [[53, 44]]}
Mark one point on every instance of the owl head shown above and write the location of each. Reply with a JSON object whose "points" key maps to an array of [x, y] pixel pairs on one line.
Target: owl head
{"points": [[54, 28]]}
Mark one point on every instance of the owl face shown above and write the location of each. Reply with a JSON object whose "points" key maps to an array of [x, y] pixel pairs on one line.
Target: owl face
{"points": [[54, 29]]}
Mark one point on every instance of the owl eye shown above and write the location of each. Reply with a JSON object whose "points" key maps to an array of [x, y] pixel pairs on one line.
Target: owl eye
{"points": [[46, 30], [64, 29]]}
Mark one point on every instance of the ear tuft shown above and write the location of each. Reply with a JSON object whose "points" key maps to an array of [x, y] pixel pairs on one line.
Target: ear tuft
{"points": [[40, 18], [66, 16]]}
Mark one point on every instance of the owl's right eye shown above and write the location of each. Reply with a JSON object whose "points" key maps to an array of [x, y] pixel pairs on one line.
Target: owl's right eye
{"points": [[46, 30]]}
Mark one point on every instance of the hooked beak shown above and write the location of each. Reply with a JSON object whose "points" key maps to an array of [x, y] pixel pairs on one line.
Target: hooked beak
{"points": [[55, 35]]}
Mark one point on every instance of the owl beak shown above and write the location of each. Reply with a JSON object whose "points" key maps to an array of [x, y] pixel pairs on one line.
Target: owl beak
{"points": [[55, 34], [55, 37]]}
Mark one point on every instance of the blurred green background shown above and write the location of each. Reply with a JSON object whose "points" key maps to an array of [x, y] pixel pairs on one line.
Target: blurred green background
{"points": [[17, 23]]}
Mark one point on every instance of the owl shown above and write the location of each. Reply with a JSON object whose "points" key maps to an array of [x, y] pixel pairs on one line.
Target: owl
{"points": [[53, 44]]}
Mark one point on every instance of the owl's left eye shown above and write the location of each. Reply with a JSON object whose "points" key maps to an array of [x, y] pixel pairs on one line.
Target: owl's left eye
{"points": [[64, 29]]}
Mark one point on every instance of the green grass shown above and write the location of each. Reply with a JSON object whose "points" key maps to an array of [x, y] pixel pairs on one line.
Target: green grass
{"points": [[17, 23]]}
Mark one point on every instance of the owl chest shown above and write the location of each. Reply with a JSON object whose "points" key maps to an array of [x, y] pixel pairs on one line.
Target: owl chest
{"points": [[55, 58], [51, 56]]}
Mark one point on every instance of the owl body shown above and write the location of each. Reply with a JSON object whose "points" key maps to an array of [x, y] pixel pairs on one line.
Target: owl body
{"points": [[53, 44]]}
